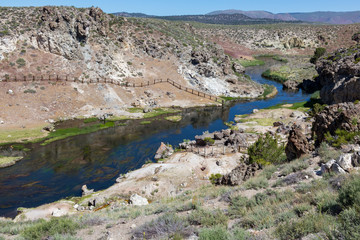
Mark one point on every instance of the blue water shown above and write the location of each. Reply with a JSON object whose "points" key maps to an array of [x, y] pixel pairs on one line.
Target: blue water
{"points": [[59, 169]]}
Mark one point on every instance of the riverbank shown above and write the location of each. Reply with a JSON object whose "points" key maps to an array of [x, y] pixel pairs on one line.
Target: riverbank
{"points": [[186, 170], [291, 71]]}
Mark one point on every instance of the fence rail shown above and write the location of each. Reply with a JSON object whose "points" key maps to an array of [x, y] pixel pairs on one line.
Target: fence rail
{"points": [[57, 78]]}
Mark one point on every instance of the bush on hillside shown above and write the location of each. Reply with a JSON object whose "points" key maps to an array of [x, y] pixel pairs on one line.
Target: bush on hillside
{"points": [[319, 52], [266, 150], [349, 194]]}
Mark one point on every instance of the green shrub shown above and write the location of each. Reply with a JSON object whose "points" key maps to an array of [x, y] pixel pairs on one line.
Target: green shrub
{"points": [[50, 228], [301, 209], [294, 166], [349, 194], [214, 178], [319, 52], [209, 140], [340, 138], [326, 202], [349, 226], [21, 62], [268, 171], [256, 183], [327, 153], [266, 150], [208, 218], [274, 75], [90, 120], [29, 91], [239, 206], [311, 223], [317, 107], [167, 226], [240, 234], [259, 218], [215, 233]]}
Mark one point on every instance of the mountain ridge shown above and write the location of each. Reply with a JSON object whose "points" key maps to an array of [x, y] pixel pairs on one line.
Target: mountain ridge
{"points": [[332, 17], [225, 19]]}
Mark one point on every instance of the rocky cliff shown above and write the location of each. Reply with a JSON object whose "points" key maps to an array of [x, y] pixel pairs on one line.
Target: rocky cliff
{"points": [[339, 74], [88, 44]]}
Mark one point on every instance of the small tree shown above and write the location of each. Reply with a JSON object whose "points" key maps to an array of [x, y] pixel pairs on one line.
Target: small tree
{"points": [[319, 52], [266, 150]]}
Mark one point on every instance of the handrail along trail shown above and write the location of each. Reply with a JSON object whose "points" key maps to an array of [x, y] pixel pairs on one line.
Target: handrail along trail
{"points": [[111, 81]]}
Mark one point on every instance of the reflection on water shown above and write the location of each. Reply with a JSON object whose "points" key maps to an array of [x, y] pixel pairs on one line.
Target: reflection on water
{"points": [[59, 169]]}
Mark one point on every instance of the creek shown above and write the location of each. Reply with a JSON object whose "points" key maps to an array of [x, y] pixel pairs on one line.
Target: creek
{"points": [[59, 169]]}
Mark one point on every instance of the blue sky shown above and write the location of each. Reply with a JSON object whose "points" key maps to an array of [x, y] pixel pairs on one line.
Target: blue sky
{"points": [[178, 7]]}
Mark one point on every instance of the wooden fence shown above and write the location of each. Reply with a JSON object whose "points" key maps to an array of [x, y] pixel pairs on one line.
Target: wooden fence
{"points": [[57, 78]]}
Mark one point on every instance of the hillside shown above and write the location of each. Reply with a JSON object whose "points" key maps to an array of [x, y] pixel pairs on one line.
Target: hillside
{"points": [[88, 45], [280, 39], [257, 14], [321, 17], [226, 19]]}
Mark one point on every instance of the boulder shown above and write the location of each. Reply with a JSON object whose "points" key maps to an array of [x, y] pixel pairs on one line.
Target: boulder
{"points": [[355, 159], [345, 161], [297, 114], [342, 116], [297, 145], [291, 85], [86, 191], [278, 124], [356, 37], [163, 151], [226, 132], [339, 74], [326, 168], [239, 174], [137, 200], [238, 68], [335, 168], [96, 201], [232, 79], [59, 212], [218, 135]]}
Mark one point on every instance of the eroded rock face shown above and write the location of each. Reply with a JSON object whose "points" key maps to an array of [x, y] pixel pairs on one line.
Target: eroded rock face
{"points": [[297, 145], [343, 116], [239, 174], [163, 151], [339, 76], [292, 85], [137, 200]]}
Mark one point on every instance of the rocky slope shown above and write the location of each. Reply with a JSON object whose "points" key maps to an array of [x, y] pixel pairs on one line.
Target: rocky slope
{"points": [[339, 74], [89, 44], [278, 38]]}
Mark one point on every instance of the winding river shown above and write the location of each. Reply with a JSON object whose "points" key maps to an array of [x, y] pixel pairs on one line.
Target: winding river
{"points": [[58, 170]]}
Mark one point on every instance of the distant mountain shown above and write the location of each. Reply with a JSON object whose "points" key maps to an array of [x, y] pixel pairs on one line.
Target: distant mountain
{"points": [[226, 19], [329, 17], [257, 14], [323, 17], [126, 14]]}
